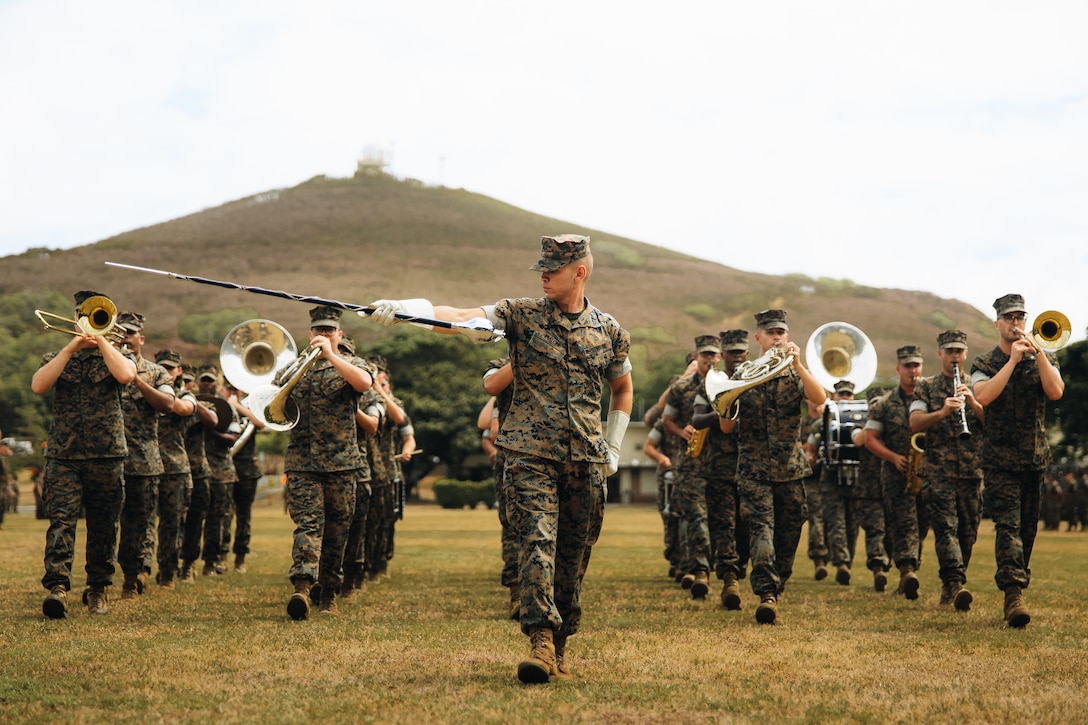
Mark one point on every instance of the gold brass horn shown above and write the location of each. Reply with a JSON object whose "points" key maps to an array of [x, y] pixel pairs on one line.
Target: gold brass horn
{"points": [[723, 390], [253, 351], [1051, 330], [96, 315], [839, 351], [272, 403]]}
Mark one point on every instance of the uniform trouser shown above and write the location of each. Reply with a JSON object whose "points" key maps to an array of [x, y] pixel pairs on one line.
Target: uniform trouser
{"points": [[97, 487], [1014, 507], [676, 545], [689, 498], [775, 512], [355, 549], [377, 531], [557, 508], [905, 521], [321, 505], [137, 518], [869, 517], [817, 535], [836, 507], [952, 507], [729, 538], [173, 491], [509, 574], [217, 520], [194, 519], [244, 491]]}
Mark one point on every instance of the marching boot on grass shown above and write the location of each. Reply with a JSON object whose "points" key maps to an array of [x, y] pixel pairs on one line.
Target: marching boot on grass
{"points": [[908, 582], [55, 605], [298, 606], [97, 600], [730, 592], [541, 664], [1016, 612]]}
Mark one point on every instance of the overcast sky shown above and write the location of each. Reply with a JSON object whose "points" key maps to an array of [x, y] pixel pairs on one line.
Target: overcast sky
{"points": [[937, 146]]}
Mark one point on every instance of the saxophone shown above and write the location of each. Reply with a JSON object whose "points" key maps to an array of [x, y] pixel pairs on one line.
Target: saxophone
{"points": [[914, 462], [695, 443]]}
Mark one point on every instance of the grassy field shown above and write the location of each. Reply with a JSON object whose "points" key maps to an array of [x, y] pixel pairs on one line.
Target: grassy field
{"points": [[431, 644]]}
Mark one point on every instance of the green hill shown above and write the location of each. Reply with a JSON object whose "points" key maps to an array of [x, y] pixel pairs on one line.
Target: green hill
{"points": [[374, 236]]}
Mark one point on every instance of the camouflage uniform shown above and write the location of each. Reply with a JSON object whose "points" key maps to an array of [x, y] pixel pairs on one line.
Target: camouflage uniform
{"points": [[355, 548], [244, 492], [676, 545], [836, 481], [905, 521], [867, 504], [771, 467], [555, 448], [322, 463], [380, 508], [136, 549], [175, 485], [220, 493], [509, 574], [817, 534], [951, 479], [1015, 455], [689, 486], [196, 508], [728, 531], [84, 467]]}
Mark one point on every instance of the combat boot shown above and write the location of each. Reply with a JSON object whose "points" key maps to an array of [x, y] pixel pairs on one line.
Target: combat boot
{"points": [[730, 592], [561, 669], [908, 582], [842, 575], [55, 605], [880, 581], [515, 602], [1016, 612], [328, 601], [821, 569], [767, 611], [240, 564], [208, 570], [186, 574], [701, 585], [129, 589], [141, 581], [98, 601], [165, 579], [298, 606], [946, 595], [687, 581], [540, 666], [961, 598]]}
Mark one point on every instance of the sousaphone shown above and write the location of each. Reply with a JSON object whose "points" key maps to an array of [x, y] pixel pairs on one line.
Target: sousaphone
{"points": [[839, 351]]}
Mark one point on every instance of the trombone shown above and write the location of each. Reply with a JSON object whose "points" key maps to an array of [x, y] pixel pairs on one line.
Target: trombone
{"points": [[1050, 331], [96, 315]]}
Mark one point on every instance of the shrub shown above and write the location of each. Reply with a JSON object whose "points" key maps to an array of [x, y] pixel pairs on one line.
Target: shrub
{"points": [[453, 494]]}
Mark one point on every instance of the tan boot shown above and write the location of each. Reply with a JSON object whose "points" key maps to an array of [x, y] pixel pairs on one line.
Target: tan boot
{"points": [[298, 606], [908, 582], [515, 602], [767, 611], [880, 581], [842, 575], [821, 569], [946, 595], [186, 573], [55, 605], [701, 585], [130, 588], [540, 666], [961, 598], [240, 564], [730, 593], [1016, 612], [98, 601], [328, 601], [560, 642]]}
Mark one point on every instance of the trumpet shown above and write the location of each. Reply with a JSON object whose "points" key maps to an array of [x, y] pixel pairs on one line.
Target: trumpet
{"points": [[965, 432], [1050, 331], [96, 315]]}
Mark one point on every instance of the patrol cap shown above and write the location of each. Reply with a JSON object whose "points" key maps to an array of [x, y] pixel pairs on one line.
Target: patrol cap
{"points": [[772, 319], [379, 362], [169, 359], [1009, 303], [707, 343], [347, 345], [130, 321], [733, 340], [953, 339], [844, 386], [559, 251], [210, 371], [84, 295], [874, 391], [909, 354], [325, 316], [188, 373]]}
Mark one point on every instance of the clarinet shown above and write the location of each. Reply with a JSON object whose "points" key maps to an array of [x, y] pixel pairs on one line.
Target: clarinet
{"points": [[965, 432]]}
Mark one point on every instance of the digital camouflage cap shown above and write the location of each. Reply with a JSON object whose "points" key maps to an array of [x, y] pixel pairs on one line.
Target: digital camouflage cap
{"points": [[952, 338], [559, 251], [733, 340], [909, 354], [1009, 303], [772, 319]]}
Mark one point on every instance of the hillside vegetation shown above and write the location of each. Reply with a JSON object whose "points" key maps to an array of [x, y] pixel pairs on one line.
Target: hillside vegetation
{"points": [[371, 236]]}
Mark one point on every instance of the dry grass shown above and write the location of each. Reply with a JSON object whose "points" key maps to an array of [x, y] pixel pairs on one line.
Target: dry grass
{"points": [[430, 644]]}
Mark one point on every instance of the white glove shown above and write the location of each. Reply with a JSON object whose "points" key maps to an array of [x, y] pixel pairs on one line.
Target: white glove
{"points": [[617, 427], [385, 311]]}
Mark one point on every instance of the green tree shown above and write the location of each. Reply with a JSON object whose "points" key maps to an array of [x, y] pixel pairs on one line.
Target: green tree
{"points": [[1070, 413]]}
